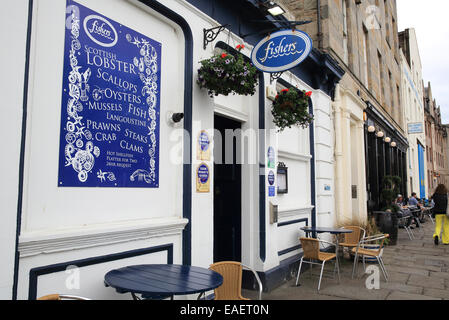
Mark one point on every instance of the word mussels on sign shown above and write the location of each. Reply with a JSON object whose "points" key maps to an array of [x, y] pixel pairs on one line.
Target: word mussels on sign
{"points": [[281, 51]]}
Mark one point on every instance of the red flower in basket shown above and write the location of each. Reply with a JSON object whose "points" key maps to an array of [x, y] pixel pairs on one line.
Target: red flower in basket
{"points": [[284, 90], [224, 55], [309, 94]]}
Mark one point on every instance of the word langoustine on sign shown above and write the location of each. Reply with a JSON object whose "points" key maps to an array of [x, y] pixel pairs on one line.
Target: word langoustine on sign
{"points": [[110, 119], [281, 51]]}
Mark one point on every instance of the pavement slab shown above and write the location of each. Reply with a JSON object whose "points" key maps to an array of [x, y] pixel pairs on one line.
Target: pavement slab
{"points": [[402, 288], [437, 293], [397, 295], [417, 269], [428, 282]]}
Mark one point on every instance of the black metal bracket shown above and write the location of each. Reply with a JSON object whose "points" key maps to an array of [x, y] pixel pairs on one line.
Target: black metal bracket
{"points": [[275, 76], [212, 34]]}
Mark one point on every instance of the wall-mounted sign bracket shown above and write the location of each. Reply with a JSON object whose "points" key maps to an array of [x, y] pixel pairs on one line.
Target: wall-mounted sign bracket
{"points": [[212, 34], [275, 76]]}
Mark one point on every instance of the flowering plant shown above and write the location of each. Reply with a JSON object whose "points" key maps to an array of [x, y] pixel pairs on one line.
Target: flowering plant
{"points": [[291, 108], [225, 74]]}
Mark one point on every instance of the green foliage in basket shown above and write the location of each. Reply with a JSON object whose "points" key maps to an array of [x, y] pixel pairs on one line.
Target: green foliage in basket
{"points": [[291, 108], [225, 74]]}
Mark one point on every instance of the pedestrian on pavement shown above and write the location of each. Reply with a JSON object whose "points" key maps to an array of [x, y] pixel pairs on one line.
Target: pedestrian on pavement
{"points": [[440, 197]]}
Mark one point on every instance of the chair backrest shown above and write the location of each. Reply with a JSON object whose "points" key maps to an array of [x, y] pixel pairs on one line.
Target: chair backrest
{"points": [[55, 297], [231, 289], [354, 237], [382, 243], [381, 238], [311, 248]]}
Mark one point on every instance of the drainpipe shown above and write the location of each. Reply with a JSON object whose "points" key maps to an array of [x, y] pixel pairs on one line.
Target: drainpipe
{"points": [[320, 33]]}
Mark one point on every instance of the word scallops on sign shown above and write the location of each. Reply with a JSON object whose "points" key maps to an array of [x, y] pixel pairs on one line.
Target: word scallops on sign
{"points": [[281, 51], [110, 120]]}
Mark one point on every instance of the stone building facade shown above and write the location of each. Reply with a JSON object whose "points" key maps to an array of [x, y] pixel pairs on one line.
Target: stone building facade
{"points": [[436, 137], [363, 37], [413, 107]]}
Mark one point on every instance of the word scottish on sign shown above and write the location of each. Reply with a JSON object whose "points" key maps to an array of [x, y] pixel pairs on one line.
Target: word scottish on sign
{"points": [[110, 119], [281, 51]]}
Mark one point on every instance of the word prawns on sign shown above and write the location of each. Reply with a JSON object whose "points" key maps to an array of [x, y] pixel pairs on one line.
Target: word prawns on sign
{"points": [[281, 51], [110, 104]]}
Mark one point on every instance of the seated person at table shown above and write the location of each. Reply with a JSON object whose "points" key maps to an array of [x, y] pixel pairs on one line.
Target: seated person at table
{"points": [[400, 200], [413, 201]]}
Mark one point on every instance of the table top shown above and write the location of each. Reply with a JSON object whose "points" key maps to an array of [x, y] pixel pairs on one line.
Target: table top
{"points": [[163, 279], [326, 230]]}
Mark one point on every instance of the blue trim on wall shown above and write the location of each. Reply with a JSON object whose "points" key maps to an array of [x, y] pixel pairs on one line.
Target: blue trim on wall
{"points": [[288, 250], [188, 118], [22, 149], [262, 191], [297, 247], [36, 272], [287, 223], [312, 167]]}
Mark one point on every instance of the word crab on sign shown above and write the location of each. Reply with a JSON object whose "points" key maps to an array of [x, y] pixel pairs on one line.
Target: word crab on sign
{"points": [[110, 117], [281, 51]]}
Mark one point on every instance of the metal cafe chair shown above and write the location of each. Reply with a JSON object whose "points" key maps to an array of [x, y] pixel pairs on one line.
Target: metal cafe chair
{"points": [[405, 222], [311, 248], [55, 297], [429, 213], [351, 240], [416, 213], [361, 250], [231, 289]]}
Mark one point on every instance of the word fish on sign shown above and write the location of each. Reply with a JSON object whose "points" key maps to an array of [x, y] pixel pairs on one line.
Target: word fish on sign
{"points": [[110, 112]]}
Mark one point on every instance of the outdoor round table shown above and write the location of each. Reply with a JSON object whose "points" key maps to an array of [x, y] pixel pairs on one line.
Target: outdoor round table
{"points": [[162, 280], [333, 231]]}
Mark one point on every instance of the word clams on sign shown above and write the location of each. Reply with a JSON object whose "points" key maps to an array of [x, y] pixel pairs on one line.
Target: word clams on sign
{"points": [[281, 51], [110, 111]]}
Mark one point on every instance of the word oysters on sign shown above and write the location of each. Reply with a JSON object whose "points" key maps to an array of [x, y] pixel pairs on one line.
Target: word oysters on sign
{"points": [[100, 31], [281, 51]]}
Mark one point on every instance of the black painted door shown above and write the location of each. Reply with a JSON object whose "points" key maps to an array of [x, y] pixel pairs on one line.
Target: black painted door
{"points": [[227, 192]]}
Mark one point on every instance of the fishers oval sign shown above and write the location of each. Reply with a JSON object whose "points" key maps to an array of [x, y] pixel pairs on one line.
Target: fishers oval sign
{"points": [[281, 51], [100, 31]]}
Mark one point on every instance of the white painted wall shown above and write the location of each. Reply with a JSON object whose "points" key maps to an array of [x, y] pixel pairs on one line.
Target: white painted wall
{"points": [[65, 224], [349, 156], [13, 23], [76, 223]]}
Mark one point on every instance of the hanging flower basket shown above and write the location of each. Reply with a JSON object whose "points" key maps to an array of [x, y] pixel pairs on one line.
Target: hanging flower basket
{"points": [[225, 74], [291, 108]]}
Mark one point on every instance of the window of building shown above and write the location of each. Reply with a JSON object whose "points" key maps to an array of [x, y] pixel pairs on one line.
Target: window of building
{"points": [[345, 13], [387, 24], [365, 44], [381, 79], [390, 78]]}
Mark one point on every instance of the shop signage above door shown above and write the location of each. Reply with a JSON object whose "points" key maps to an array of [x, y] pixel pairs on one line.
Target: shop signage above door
{"points": [[281, 51], [110, 113]]}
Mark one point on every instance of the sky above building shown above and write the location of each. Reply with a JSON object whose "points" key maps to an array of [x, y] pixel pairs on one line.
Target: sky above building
{"points": [[430, 19]]}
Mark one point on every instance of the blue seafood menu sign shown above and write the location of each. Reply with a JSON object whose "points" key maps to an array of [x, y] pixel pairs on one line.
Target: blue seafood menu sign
{"points": [[281, 51], [110, 120]]}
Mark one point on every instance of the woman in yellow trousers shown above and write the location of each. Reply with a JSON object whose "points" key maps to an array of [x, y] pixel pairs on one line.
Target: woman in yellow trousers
{"points": [[440, 198]]}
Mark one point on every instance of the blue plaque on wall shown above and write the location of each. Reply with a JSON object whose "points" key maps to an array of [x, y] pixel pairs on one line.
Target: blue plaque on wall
{"points": [[110, 120]]}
